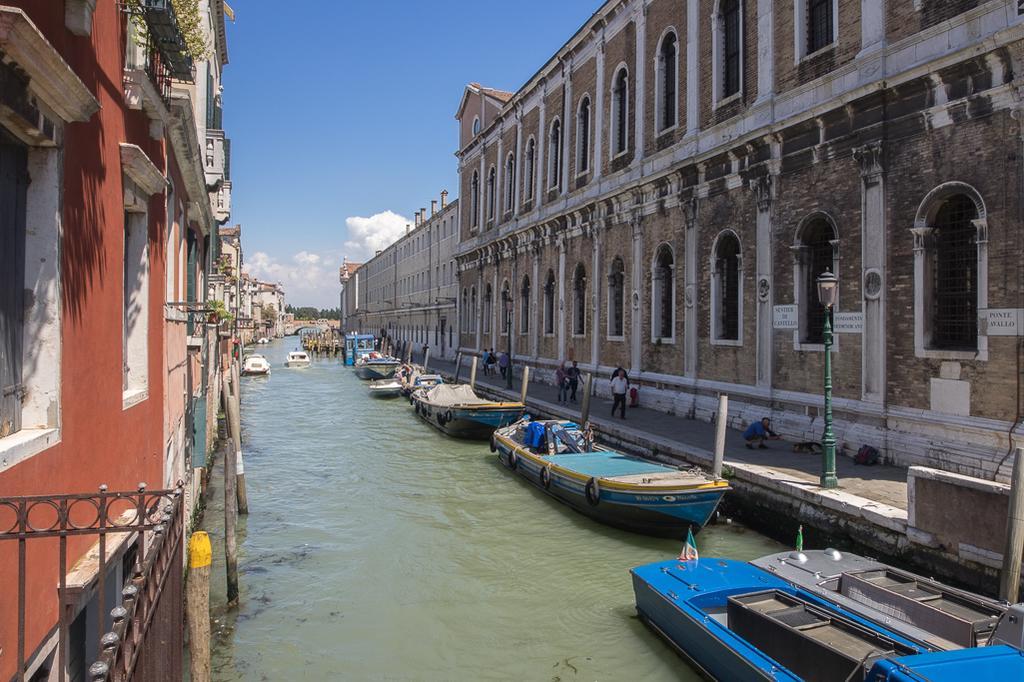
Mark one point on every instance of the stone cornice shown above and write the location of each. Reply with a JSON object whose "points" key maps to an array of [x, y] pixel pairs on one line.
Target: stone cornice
{"points": [[50, 77], [142, 171], [185, 143]]}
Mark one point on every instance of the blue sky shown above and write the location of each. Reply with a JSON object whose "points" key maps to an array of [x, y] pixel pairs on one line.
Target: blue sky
{"points": [[343, 109]]}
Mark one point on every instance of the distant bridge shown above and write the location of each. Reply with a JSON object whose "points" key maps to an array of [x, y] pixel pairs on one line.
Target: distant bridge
{"points": [[299, 326]]}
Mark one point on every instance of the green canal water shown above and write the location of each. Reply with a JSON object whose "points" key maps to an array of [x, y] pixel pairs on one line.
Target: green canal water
{"points": [[377, 549]]}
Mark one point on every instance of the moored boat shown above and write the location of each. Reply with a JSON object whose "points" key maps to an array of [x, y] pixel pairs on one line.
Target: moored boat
{"points": [[459, 412], [737, 622], [385, 388], [989, 663], [255, 365], [627, 492], [919, 608], [376, 366], [297, 358], [416, 381]]}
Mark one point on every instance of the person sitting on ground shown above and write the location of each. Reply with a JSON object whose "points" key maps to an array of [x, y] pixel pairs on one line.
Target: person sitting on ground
{"points": [[760, 432]]}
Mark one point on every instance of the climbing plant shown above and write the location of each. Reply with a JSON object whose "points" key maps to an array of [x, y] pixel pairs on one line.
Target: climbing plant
{"points": [[190, 23]]}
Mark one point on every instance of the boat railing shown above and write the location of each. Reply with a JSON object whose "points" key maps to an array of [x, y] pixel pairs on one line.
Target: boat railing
{"points": [[949, 614]]}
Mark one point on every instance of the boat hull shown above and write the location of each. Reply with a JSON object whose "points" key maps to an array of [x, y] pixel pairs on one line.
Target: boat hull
{"points": [[666, 513], [374, 372], [468, 423], [381, 393]]}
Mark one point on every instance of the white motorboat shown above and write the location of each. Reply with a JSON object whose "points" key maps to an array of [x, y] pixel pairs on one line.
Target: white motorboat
{"points": [[263, 339], [255, 365], [385, 388], [297, 358]]}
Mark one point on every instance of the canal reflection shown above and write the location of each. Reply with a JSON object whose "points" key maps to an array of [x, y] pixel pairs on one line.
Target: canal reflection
{"points": [[378, 549]]}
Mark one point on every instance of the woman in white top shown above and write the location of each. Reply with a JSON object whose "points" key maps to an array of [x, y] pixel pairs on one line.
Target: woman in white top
{"points": [[619, 386]]}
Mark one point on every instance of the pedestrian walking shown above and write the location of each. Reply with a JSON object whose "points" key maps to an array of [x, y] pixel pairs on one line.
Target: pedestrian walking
{"points": [[574, 379], [619, 387], [562, 382], [492, 360], [503, 364]]}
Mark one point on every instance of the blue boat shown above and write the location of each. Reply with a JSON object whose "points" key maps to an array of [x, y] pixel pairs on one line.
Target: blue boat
{"points": [[627, 492], [375, 366], [358, 346], [459, 412], [736, 622], [988, 663]]}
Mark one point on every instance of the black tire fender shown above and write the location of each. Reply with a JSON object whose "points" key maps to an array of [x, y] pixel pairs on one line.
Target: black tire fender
{"points": [[513, 459], [593, 492], [494, 444], [448, 416], [545, 477]]}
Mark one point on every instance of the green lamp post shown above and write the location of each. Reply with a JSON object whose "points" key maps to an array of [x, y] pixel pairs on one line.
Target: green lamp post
{"points": [[827, 284]]}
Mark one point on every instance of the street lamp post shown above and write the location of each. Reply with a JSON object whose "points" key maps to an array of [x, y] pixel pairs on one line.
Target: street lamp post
{"points": [[827, 284], [508, 334]]}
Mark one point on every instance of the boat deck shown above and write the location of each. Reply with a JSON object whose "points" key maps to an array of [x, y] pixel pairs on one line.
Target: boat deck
{"points": [[615, 466]]}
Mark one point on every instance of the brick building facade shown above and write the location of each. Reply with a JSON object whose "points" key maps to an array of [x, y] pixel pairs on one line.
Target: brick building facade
{"points": [[663, 193]]}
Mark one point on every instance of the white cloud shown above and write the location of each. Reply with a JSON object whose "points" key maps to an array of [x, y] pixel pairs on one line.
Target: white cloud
{"points": [[367, 236], [306, 280]]}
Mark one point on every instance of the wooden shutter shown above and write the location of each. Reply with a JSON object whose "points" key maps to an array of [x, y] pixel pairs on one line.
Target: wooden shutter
{"points": [[13, 189]]}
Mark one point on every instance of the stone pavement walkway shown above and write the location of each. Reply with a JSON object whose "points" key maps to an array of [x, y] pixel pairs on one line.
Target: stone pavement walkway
{"points": [[879, 483]]}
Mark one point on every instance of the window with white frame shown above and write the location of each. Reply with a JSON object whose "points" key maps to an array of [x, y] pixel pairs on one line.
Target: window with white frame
{"points": [[668, 82], [549, 303], [726, 288], [510, 181], [476, 125], [583, 136], [488, 308], [950, 272], [472, 310], [530, 174], [555, 155], [817, 25], [135, 311], [579, 300], [616, 298], [474, 199], [663, 280], [524, 306], [816, 251], [506, 308], [727, 39], [620, 112], [13, 236], [490, 193]]}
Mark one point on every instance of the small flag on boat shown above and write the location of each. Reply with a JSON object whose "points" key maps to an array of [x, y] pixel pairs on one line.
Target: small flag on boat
{"points": [[689, 552], [800, 539]]}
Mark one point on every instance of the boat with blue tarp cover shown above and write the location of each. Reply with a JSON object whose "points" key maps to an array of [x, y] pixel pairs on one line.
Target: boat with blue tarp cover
{"points": [[987, 663], [737, 622], [627, 492], [458, 411]]}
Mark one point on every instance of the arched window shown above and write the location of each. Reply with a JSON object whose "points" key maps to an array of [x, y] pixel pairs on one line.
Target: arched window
{"points": [[663, 280], [472, 309], [620, 111], [531, 162], [667, 81], [510, 181], [488, 308], [505, 310], [549, 303], [818, 241], [524, 306], [490, 193], [730, 35], [476, 125], [463, 326], [579, 301], [616, 298], [474, 199], [583, 136], [954, 265], [555, 156], [725, 288], [820, 19]]}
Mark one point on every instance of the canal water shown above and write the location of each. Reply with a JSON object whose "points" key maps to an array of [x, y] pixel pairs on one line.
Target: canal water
{"points": [[377, 549]]}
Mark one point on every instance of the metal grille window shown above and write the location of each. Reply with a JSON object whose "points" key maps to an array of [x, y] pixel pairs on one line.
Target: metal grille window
{"points": [[555, 170], [510, 181], [549, 304], [664, 284], [616, 303], [506, 309], [13, 196], [531, 154], [579, 301], [524, 306], [490, 193], [727, 269], [820, 254], [474, 198], [621, 100], [955, 267], [731, 47], [668, 81], [583, 137], [819, 25]]}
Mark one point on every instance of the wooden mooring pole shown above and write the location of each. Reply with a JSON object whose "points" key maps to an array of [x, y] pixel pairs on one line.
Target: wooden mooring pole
{"points": [[721, 420], [426, 358], [236, 426], [472, 373], [230, 504], [197, 605], [1013, 554], [526, 383], [458, 365]]}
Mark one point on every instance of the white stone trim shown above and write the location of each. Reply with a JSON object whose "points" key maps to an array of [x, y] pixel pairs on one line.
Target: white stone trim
{"points": [[655, 292], [143, 172], [800, 294], [25, 444], [800, 9], [78, 16], [616, 115], [553, 176], [185, 143], [582, 153], [716, 292], [659, 79], [50, 77], [718, 55]]}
